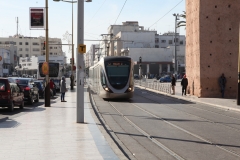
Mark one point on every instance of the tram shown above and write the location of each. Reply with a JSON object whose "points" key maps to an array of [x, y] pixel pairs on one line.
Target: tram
{"points": [[112, 77]]}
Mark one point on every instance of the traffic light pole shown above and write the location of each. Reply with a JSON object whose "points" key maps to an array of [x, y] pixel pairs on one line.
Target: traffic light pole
{"points": [[47, 87]]}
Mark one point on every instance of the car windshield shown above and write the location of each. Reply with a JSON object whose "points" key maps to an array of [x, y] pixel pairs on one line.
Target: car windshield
{"points": [[22, 81], [118, 73]]}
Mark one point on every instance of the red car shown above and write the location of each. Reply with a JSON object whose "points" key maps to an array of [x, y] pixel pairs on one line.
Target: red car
{"points": [[10, 95]]}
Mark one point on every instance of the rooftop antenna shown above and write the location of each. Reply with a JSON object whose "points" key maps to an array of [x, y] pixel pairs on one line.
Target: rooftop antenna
{"points": [[17, 25]]}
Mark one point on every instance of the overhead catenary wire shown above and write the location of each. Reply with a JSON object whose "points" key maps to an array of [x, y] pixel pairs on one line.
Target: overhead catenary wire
{"points": [[166, 14], [96, 12], [120, 11]]}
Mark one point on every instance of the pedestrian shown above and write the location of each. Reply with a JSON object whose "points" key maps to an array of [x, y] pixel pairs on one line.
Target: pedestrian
{"points": [[63, 89], [184, 84], [52, 87], [173, 83], [71, 79], [222, 83]]}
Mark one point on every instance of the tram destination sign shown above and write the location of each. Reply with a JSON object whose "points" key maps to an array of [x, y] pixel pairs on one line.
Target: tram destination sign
{"points": [[117, 63]]}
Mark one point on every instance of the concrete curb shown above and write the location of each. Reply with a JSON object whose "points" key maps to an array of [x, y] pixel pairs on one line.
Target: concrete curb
{"points": [[191, 100], [119, 143]]}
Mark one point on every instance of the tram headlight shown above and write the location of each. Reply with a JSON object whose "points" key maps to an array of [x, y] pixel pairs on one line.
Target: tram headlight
{"points": [[129, 89], [106, 89]]}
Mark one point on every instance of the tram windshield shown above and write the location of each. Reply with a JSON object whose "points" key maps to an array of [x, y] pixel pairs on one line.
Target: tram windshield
{"points": [[118, 73]]}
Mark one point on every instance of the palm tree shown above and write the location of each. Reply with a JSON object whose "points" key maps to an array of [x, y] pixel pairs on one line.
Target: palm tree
{"points": [[182, 23]]}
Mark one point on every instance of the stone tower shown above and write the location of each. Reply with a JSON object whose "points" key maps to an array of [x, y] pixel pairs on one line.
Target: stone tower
{"points": [[212, 46]]}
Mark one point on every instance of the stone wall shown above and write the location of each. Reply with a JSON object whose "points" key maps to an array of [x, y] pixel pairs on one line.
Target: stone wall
{"points": [[212, 46]]}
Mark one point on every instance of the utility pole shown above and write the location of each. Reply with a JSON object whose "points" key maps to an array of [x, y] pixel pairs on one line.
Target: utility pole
{"points": [[175, 44], [17, 26], [140, 67], [47, 88]]}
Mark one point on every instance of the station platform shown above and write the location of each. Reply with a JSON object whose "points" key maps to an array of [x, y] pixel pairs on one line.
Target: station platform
{"points": [[51, 133]]}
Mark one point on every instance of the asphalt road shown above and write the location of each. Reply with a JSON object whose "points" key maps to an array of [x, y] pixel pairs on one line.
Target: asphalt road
{"points": [[154, 126]]}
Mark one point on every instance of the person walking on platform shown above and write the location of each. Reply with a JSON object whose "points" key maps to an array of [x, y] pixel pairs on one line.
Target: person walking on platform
{"points": [[63, 89], [222, 83], [173, 83], [184, 84]]}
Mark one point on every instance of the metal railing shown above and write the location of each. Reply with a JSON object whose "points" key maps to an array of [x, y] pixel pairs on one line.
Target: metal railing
{"points": [[155, 85]]}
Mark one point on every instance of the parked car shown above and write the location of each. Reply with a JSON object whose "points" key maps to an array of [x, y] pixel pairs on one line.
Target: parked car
{"points": [[30, 90], [57, 84], [136, 76], [41, 88], [165, 78], [10, 95]]}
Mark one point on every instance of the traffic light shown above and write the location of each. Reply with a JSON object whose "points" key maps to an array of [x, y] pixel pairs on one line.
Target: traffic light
{"points": [[70, 60], [140, 59], [44, 44]]}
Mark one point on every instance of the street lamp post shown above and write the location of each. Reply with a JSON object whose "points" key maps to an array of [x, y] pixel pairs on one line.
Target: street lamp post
{"points": [[47, 88], [175, 44], [72, 76]]}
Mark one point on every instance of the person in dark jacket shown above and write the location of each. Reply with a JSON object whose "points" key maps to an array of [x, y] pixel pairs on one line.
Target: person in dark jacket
{"points": [[63, 89], [184, 84], [173, 83], [222, 83]]}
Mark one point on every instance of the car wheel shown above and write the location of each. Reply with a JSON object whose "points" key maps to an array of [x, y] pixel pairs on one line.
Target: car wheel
{"points": [[37, 100], [31, 100], [11, 107], [22, 105]]}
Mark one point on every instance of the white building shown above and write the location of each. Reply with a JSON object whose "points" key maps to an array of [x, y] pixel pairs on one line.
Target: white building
{"points": [[130, 39], [33, 46], [93, 55]]}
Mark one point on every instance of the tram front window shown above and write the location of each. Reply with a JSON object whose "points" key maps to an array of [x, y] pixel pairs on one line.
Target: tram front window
{"points": [[118, 75]]}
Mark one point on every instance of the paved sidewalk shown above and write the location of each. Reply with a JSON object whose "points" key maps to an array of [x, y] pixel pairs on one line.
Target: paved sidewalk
{"points": [[224, 103], [52, 134]]}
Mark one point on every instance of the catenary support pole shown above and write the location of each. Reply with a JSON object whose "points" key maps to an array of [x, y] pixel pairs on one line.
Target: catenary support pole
{"points": [[80, 64], [72, 76]]}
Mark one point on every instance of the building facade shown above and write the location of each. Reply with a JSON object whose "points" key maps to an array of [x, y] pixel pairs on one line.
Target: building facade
{"points": [[33, 46], [130, 39], [212, 46]]}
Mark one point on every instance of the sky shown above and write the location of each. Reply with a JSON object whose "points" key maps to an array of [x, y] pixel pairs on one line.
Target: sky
{"points": [[98, 16]]}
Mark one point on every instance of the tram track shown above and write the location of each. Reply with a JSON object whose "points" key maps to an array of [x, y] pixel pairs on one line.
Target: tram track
{"points": [[178, 157], [186, 131], [189, 105]]}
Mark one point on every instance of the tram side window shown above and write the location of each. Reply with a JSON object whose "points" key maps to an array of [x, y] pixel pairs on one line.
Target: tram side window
{"points": [[103, 79]]}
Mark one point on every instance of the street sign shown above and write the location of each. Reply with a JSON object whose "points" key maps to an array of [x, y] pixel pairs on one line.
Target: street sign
{"points": [[81, 48], [45, 68], [0, 58]]}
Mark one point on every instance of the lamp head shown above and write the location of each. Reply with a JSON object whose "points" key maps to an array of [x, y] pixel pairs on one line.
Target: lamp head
{"points": [[56, 0], [174, 14]]}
